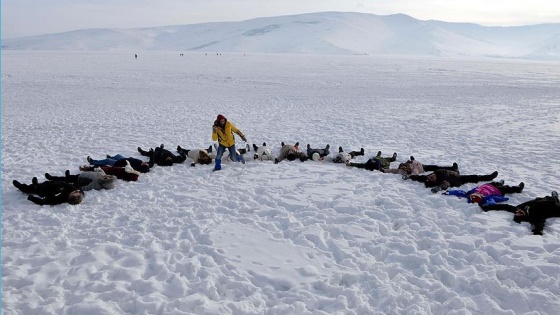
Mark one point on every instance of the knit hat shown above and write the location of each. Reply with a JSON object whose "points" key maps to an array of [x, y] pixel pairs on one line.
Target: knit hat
{"points": [[220, 117]]}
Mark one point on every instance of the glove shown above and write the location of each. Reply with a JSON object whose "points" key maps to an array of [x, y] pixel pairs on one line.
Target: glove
{"points": [[243, 138], [405, 177], [436, 189], [214, 129]]}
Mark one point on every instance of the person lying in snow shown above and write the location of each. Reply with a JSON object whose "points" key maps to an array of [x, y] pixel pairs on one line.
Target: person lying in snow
{"points": [[121, 161], [342, 156], [487, 194], [413, 167], [162, 156], [375, 163], [290, 152], [126, 173], [263, 153], [317, 154], [198, 156], [443, 179], [534, 211], [88, 180], [51, 192]]}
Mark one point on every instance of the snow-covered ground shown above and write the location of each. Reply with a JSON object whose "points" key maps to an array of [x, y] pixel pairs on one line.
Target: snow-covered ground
{"points": [[290, 238]]}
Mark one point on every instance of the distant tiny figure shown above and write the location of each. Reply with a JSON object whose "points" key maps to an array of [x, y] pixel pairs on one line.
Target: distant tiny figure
{"points": [[135, 56]]}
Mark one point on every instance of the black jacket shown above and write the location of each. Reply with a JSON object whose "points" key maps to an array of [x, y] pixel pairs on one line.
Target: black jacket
{"points": [[52, 192], [537, 211]]}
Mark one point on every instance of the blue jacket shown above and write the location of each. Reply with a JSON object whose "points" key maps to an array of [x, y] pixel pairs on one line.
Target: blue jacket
{"points": [[486, 200]]}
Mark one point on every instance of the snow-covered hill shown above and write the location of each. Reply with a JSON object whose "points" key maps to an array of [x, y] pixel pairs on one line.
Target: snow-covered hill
{"points": [[318, 33]]}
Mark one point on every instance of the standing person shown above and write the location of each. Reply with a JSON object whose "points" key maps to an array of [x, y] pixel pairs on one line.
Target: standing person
{"points": [[222, 131]]}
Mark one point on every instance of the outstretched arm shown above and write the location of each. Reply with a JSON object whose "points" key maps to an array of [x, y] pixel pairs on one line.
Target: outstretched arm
{"points": [[539, 226], [504, 207], [36, 200], [418, 178]]}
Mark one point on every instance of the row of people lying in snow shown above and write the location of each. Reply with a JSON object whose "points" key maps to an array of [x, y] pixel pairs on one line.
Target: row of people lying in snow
{"points": [[102, 174]]}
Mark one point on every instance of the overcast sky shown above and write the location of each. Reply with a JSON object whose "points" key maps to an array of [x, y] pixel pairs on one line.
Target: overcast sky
{"points": [[36, 17]]}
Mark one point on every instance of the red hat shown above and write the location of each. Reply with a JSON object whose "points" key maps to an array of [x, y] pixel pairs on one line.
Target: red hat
{"points": [[220, 117]]}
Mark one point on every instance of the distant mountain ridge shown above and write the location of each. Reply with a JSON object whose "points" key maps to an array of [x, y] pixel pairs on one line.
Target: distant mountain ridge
{"points": [[343, 33]]}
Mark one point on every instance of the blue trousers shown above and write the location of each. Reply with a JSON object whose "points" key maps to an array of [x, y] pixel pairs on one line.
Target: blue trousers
{"points": [[232, 153]]}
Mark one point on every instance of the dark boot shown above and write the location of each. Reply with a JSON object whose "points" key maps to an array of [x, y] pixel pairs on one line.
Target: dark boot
{"points": [[505, 189], [142, 152], [520, 187], [255, 148], [340, 150], [57, 178], [19, 185], [491, 176], [24, 188]]}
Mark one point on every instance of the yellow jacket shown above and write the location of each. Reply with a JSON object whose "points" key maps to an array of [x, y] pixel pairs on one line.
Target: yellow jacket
{"points": [[224, 135]]}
